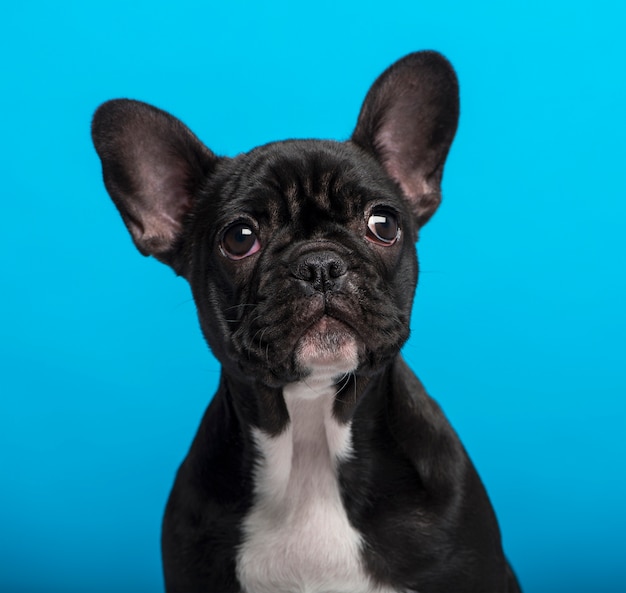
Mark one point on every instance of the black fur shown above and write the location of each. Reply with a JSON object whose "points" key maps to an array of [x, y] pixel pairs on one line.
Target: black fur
{"points": [[409, 489]]}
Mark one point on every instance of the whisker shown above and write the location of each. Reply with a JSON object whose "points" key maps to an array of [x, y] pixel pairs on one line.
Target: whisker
{"points": [[261, 330], [240, 305], [345, 381], [182, 303], [236, 308]]}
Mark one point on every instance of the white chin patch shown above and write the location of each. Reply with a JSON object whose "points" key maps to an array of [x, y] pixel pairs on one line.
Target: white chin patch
{"points": [[328, 347]]}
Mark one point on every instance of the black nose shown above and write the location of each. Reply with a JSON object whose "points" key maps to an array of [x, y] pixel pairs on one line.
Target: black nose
{"points": [[321, 271]]}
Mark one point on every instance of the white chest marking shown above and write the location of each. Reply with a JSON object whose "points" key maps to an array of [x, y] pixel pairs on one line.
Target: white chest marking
{"points": [[297, 537]]}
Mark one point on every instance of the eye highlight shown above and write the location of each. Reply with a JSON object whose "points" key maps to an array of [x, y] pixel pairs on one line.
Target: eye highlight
{"points": [[382, 228], [239, 240]]}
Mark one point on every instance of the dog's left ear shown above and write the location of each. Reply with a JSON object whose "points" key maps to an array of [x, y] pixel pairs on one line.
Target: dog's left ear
{"points": [[408, 121]]}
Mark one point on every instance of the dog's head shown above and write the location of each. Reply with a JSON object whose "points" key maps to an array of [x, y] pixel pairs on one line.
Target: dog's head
{"points": [[300, 254]]}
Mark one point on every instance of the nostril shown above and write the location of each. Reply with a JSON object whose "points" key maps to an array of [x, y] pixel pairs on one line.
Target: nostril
{"points": [[337, 268], [303, 271], [321, 270]]}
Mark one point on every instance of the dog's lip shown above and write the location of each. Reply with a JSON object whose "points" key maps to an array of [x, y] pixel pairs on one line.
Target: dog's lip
{"points": [[337, 314], [328, 321]]}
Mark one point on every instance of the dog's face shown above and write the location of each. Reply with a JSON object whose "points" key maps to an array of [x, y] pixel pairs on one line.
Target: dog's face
{"points": [[300, 254]]}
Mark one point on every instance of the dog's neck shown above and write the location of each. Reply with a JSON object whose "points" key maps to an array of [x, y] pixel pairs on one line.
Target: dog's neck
{"points": [[312, 444], [298, 536], [266, 407], [311, 412]]}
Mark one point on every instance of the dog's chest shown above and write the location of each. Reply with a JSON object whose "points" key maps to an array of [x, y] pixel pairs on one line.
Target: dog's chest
{"points": [[297, 537]]}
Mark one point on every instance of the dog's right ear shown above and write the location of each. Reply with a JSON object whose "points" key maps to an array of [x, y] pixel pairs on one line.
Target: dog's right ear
{"points": [[408, 121], [152, 166]]}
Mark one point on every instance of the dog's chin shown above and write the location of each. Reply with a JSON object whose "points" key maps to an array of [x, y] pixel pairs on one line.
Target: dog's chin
{"points": [[329, 348]]}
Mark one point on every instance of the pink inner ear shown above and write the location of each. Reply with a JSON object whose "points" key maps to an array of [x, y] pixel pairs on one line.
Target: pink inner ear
{"points": [[423, 196], [415, 165], [152, 166], [413, 184], [408, 121], [155, 213], [161, 233]]}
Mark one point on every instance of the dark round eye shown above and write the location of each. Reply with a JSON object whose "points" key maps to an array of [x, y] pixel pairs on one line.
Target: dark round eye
{"points": [[383, 228], [239, 240]]}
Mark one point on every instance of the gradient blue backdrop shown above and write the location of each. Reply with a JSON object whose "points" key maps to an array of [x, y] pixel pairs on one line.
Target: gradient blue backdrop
{"points": [[519, 323]]}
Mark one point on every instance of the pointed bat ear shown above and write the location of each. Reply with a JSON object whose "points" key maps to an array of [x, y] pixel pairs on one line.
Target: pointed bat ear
{"points": [[152, 166], [408, 121]]}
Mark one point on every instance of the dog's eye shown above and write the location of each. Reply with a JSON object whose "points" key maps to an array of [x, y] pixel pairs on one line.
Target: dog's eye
{"points": [[383, 228], [239, 241]]}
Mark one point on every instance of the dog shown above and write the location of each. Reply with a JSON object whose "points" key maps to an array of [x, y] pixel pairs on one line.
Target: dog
{"points": [[321, 464]]}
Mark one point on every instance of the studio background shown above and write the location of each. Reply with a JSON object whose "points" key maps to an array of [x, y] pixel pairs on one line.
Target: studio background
{"points": [[518, 327]]}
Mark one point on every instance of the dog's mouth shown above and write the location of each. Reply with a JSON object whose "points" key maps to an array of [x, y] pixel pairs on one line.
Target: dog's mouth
{"points": [[290, 337], [328, 344]]}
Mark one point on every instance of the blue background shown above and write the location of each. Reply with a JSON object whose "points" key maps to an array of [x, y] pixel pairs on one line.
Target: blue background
{"points": [[519, 322]]}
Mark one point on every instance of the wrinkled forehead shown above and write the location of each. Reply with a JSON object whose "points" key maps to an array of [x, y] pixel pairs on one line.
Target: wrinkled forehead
{"points": [[305, 180]]}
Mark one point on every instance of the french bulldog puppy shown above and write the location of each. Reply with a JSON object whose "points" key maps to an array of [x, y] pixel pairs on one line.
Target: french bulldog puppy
{"points": [[321, 464]]}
